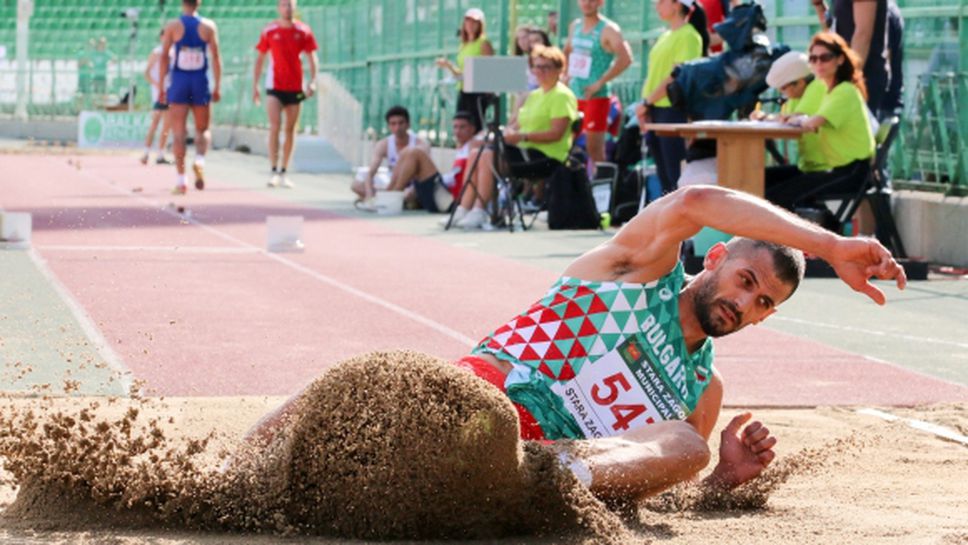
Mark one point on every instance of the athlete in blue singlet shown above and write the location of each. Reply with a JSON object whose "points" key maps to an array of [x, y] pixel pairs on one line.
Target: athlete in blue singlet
{"points": [[193, 38]]}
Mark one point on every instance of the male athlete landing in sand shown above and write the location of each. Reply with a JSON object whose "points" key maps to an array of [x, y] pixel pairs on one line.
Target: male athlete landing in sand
{"points": [[618, 353], [193, 38]]}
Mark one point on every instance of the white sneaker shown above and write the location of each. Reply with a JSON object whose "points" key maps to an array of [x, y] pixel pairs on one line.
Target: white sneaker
{"points": [[286, 182], [474, 219], [275, 180], [458, 215]]}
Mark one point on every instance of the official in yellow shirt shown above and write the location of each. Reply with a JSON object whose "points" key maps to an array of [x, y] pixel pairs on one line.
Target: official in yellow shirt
{"points": [[844, 136], [681, 43]]}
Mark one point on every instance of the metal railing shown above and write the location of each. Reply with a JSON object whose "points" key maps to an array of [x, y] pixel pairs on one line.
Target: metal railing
{"points": [[382, 51]]}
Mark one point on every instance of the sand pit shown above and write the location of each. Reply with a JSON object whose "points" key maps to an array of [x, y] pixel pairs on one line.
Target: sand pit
{"points": [[840, 477]]}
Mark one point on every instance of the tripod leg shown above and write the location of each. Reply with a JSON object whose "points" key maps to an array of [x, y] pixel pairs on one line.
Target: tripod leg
{"points": [[468, 183]]}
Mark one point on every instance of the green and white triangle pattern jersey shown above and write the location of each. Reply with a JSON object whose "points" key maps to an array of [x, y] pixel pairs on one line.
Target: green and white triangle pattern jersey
{"points": [[588, 60], [597, 359]]}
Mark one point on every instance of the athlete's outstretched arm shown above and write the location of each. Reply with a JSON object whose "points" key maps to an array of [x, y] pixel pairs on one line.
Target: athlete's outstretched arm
{"points": [[650, 242]]}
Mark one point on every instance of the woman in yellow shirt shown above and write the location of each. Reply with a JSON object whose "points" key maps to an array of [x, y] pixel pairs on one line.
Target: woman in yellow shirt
{"points": [[681, 43], [536, 144], [844, 134], [473, 43]]}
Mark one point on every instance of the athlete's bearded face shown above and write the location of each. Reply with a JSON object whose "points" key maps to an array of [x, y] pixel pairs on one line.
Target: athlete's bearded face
{"points": [[737, 292], [286, 9]]}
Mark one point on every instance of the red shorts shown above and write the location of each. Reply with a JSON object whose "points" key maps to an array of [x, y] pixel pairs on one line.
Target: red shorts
{"points": [[596, 114], [530, 430]]}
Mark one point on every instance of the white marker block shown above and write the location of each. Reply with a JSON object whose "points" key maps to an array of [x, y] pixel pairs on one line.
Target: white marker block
{"points": [[284, 233], [15, 228]]}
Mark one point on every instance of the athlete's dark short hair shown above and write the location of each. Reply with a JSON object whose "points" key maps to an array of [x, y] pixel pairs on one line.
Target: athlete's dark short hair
{"points": [[788, 263], [398, 111], [191, 3]]}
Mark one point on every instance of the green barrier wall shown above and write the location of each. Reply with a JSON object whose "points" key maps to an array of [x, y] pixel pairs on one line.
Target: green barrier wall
{"points": [[383, 52]]}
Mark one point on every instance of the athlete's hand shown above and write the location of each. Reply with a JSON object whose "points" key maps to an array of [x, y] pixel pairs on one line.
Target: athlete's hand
{"points": [[162, 96], [592, 89], [742, 456], [858, 259], [256, 96], [310, 90], [216, 95]]}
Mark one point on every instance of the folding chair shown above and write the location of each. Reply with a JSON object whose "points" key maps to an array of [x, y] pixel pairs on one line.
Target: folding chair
{"points": [[876, 189], [576, 128]]}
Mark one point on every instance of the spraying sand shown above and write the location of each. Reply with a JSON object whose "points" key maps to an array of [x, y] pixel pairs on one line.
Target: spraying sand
{"points": [[401, 445]]}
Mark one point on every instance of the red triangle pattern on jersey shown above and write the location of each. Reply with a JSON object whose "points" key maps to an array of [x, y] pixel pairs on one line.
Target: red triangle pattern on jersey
{"points": [[573, 310], [558, 299], [539, 336], [515, 339], [597, 306], [582, 291], [548, 315], [546, 370], [587, 328], [554, 353], [529, 354], [525, 321], [566, 373], [564, 333], [503, 329], [577, 351]]}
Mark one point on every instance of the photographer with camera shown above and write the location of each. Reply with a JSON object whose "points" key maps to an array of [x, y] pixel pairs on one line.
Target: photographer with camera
{"points": [[536, 144]]}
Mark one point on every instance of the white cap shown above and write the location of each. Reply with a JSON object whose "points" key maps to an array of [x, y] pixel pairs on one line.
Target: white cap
{"points": [[791, 67], [687, 3], [474, 13]]}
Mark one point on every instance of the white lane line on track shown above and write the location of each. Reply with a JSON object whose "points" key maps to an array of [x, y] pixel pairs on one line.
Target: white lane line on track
{"points": [[164, 249], [871, 331], [921, 425], [93, 334], [423, 320]]}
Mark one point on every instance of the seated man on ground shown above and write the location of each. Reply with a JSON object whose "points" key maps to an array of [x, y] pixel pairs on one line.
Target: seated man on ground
{"points": [[390, 148], [416, 175], [618, 355], [536, 146]]}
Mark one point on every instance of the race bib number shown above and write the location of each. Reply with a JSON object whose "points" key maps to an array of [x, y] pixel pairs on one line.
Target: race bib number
{"points": [[579, 64], [623, 390], [190, 58]]}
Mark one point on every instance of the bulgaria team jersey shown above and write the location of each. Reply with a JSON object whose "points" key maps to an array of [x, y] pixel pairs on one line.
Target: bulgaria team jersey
{"points": [[285, 46], [597, 359]]}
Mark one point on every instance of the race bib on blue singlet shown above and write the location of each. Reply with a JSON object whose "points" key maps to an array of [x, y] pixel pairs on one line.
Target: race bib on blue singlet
{"points": [[190, 58]]}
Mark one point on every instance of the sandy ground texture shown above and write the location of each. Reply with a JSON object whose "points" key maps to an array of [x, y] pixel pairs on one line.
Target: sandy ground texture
{"points": [[840, 477]]}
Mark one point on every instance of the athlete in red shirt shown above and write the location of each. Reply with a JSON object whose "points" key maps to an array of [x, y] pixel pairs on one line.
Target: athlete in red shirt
{"points": [[287, 40]]}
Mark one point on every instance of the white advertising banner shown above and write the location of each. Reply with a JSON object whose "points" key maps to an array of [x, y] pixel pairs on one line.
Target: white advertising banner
{"points": [[112, 129]]}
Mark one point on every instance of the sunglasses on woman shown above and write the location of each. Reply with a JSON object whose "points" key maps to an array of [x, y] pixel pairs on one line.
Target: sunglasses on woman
{"points": [[823, 57]]}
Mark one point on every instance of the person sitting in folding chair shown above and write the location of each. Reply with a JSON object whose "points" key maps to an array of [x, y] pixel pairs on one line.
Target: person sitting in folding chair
{"points": [[842, 124], [536, 144]]}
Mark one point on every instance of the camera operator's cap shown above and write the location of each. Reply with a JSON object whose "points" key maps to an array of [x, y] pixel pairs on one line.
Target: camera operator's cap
{"points": [[788, 68], [474, 13]]}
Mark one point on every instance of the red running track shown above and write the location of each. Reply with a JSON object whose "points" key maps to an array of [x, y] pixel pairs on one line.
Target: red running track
{"points": [[196, 308]]}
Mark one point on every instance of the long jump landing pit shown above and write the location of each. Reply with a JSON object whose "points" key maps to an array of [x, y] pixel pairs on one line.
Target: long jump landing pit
{"points": [[882, 483]]}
